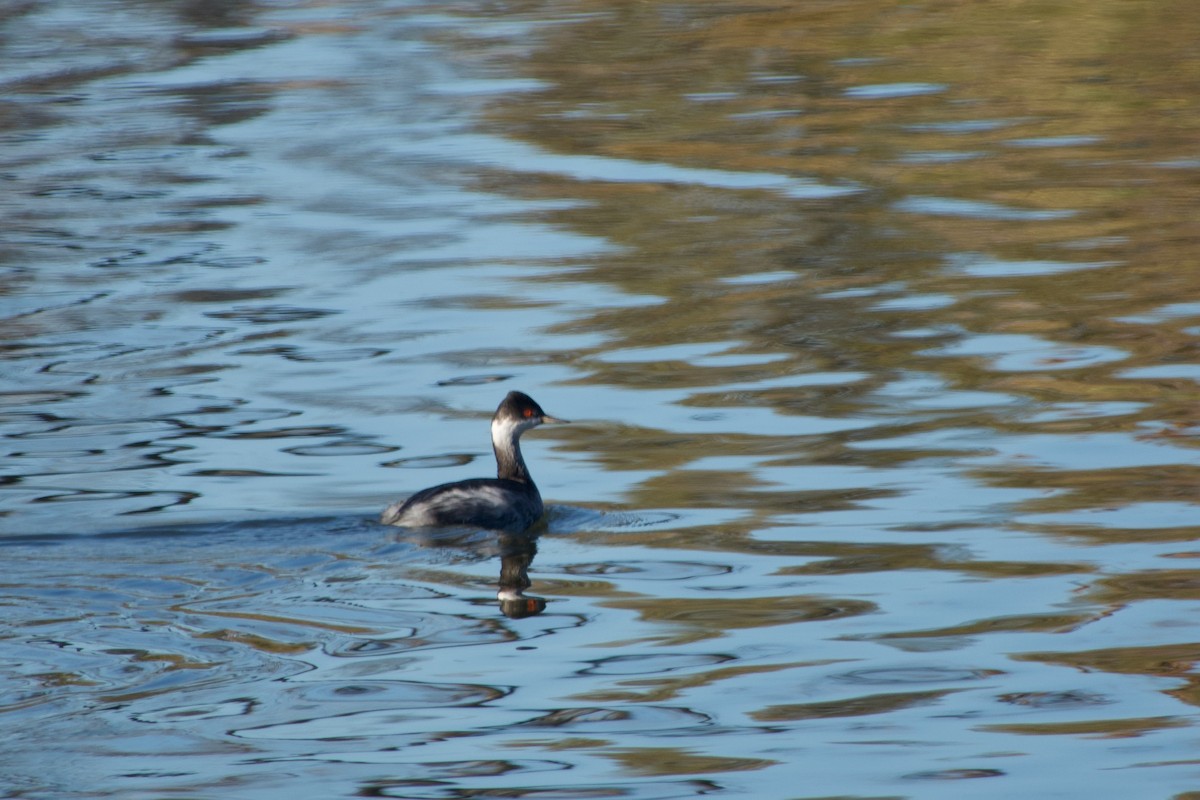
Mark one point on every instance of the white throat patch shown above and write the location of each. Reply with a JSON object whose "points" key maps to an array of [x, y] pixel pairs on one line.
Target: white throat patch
{"points": [[506, 430]]}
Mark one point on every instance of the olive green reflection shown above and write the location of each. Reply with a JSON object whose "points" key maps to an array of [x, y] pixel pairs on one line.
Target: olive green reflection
{"points": [[985, 224]]}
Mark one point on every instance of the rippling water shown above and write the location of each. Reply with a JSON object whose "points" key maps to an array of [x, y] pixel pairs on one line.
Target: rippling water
{"points": [[878, 324]]}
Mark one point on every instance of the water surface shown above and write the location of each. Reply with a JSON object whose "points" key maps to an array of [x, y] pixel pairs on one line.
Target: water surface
{"points": [[878, 327]]}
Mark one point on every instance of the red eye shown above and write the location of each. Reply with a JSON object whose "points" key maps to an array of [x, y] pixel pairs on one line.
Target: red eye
{"points": [[528, 413]]}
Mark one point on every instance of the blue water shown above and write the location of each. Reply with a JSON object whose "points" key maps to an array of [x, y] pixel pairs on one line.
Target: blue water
{"points": [[882, 477]]}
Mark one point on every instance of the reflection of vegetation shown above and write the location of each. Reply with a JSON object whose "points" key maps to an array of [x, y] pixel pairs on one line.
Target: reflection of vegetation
{"points": [[1038, 189], [1169, 660], [694, 619], [261, 643], [659, 690], [1166, 584], [853, 557], [1111, 487], [1086, 109], [829, 557], [1052, 623], [676, 761], [1103, 728], [850, 707]]}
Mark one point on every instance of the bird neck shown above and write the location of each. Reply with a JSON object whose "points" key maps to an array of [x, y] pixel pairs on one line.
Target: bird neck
{"points": [[506, 442]]}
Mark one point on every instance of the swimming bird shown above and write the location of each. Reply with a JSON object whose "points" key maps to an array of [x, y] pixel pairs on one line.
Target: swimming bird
{"points": [[509, 502]]}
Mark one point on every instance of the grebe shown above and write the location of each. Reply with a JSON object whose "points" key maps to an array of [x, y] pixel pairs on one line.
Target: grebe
{"points": [[509, 502]]}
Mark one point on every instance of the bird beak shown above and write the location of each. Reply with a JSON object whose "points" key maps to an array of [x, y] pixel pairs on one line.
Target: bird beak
{"points": [[548, 418]]}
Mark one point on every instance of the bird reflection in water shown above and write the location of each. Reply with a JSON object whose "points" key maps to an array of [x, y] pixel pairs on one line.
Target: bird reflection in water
{"points": [[516, 554], [516, 551], [509, 504]]}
